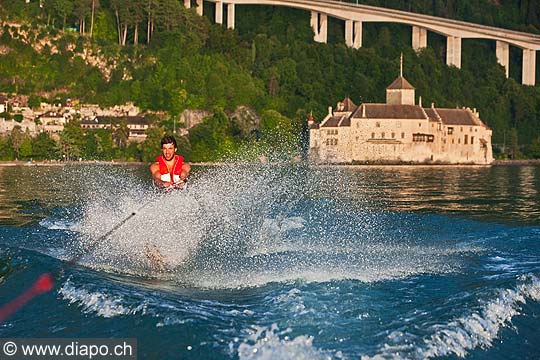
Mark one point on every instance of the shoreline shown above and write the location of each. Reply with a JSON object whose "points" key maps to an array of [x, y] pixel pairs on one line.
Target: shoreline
{"points": [[136, 163]]}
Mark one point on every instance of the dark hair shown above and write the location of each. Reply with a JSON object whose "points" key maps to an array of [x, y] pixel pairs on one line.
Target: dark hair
{"points": [[169, 139]]}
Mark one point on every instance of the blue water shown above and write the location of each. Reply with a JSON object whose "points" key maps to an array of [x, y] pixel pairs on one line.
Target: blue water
{"points": [[280, 261]]}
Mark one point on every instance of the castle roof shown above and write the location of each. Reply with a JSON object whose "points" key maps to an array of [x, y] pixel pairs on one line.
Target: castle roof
{"points": [[432, 114], [385, 111], [458, 117], [334, 121], [346, 105], [399, 84]]}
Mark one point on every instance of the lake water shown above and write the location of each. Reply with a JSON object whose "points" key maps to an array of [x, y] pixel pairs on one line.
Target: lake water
{"points": [[280, 262]]}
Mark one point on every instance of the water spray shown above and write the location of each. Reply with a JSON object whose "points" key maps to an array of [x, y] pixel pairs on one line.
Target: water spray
{"points": [[45, 281]]}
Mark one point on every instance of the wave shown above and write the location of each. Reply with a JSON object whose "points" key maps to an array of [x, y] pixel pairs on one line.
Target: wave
{"points": [[271, 343], [476, 330], [97, 302]]}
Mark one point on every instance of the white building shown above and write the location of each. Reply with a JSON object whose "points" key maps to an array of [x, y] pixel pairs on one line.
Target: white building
{"points": [[400, 131]]}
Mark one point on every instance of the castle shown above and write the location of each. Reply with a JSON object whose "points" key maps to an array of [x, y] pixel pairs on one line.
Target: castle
{"points": [[399, 131]]}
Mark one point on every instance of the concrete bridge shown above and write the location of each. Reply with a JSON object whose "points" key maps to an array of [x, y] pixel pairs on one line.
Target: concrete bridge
{"points": [[354, 15]]}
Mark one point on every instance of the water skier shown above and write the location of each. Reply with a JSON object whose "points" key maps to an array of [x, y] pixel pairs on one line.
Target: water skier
{"points": [[170, 171]]}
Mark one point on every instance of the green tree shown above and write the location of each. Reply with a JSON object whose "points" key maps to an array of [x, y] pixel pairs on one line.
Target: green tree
{"points": [[212, 139], [16, 138], [82, 8], [276, 128], [72, 141], [26, 145], [514, 144], [121, 135], [63, 8], [534, 148], [43, 147], [151, 147], [133, 152], [6, 151]]}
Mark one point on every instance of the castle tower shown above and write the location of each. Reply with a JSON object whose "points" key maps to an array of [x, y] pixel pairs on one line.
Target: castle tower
{"points": [[400, 91]]}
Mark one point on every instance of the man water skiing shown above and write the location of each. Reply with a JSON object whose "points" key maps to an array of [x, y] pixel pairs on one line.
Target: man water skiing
{"points": [[170, 171]]}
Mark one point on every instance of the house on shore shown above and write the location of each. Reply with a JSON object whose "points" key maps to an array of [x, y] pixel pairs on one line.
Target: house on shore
{"points": [[399, 131], [137, 125]]}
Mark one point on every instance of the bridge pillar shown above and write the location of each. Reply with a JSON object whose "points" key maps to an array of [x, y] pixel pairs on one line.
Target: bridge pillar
{"points": [[357, 39], [349, 32], [187, 4], [419, 38], [230, 16], [453, 51], [200, 7], [319, 24], [503, 55], [219, 12], [353, 33], [529, 67]]}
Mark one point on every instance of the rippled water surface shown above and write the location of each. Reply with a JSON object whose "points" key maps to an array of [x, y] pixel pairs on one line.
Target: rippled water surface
{"points": [[280, 261]]}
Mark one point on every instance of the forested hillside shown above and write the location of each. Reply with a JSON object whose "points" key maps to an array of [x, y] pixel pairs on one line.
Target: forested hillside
{"points": [[165, 57]]}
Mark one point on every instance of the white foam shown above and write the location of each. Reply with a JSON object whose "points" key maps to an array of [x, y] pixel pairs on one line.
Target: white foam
{"points": [[55, 224], [478, 329], [269, 343], [96, 302]]}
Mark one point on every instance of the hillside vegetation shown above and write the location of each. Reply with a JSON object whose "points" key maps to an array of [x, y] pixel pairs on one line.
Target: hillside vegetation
{"points": [[165, 57]]}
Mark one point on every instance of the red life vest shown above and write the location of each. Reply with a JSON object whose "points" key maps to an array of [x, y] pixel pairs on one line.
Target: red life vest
{"points": [[174, 175]]}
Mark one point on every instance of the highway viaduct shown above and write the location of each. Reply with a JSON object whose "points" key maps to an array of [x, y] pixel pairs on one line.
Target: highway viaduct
{"points": [[354, 15]]}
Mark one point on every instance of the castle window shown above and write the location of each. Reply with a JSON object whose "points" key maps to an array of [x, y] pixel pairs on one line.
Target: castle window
{"points": [[450, 130], [472, 140], [377, 124], [470, 129], [419, 124], [459, 140], [418, 137], [335, 141], [393, 135], [373, 135], [465, 140], [461, 129], [382, 135], [403, 135]]}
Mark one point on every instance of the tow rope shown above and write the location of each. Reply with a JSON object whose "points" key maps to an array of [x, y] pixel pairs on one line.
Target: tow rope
{"points": [[45, 282]]}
